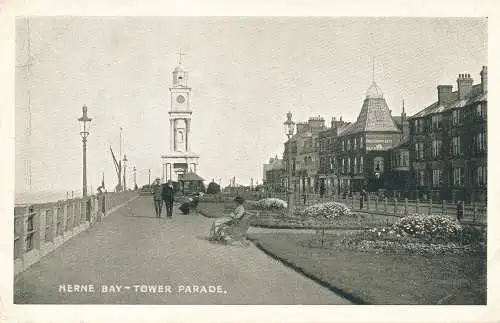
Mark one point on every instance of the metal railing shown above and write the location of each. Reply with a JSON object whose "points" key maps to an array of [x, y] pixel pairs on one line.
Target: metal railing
{"points": [[475, 213], [40, 228]]}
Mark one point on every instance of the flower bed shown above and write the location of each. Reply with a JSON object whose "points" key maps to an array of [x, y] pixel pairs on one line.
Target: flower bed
{"points": [[328, 210], [421, 234], [271, 204]]}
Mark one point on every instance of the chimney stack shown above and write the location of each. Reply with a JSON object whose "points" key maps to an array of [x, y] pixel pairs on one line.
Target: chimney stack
{"points": [[464, 83], [300, 126], [445, 94], [484, 79]]}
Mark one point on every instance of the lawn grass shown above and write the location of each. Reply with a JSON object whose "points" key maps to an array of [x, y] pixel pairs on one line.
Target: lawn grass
{"points": [[214, 210], [383, 278]]}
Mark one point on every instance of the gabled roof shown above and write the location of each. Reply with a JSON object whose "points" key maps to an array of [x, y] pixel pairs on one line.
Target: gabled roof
{"points": [[374, 116], [474, 96]]}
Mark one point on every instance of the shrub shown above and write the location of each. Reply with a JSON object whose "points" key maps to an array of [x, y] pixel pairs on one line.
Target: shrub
{"points": [[213, 188], [271, 204], [327, 210]]}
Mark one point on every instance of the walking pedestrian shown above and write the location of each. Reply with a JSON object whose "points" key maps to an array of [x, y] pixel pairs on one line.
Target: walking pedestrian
{"points": [[460, 210], [362, 197], [101, 199], [167, 195], [322, 189], [156, 189]]}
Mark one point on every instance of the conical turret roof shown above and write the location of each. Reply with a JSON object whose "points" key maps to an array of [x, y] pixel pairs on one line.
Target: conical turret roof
{"points": [[375, 115]]}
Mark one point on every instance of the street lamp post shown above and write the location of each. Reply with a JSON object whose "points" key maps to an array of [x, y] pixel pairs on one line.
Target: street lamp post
{"points": [[84, 133], [149, 177], [289, 128], [135, 178]]}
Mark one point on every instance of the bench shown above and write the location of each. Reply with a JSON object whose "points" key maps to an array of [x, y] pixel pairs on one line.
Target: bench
{"points": [[240, 228]]}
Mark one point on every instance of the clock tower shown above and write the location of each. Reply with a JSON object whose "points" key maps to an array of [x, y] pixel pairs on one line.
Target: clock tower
{"points": [[179, 160]]}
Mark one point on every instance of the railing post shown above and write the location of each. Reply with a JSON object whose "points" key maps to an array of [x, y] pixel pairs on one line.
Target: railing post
{"points": [[368, 202], [385, 206], [352, 202], [376, 204], [406, 206], [395, 205], [443, 207], [430, 206], [474, 211], [417, 206]]}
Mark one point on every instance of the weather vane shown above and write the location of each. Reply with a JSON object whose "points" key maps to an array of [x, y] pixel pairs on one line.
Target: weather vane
{"points": [[180, 56]]}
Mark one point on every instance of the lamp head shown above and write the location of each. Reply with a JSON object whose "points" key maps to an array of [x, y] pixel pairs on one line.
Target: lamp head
{"points": [[289, 125]]}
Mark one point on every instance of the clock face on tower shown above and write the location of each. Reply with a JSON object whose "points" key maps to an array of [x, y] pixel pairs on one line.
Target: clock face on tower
{"points": [[180, 99]]}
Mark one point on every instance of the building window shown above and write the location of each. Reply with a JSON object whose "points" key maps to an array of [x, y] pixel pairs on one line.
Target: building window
{"points": [[436, 148], [481, 176], [436, 121], [361, 164], [480, 111], [343, 145], [348, 144], [355, 165], [480, 142], [361, 143], [420, 123], [348, 164], [457, 177], [455, 117], [419, 151], [456, 146], [436, 177], [378, 164], [343, 165], [405, 158]]}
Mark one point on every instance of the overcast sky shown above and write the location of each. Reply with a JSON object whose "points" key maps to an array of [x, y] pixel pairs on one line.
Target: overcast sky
{"points": [[245, 74]]}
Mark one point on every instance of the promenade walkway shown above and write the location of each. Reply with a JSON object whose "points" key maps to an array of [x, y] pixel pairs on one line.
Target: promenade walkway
{"points": [[132, 248]]}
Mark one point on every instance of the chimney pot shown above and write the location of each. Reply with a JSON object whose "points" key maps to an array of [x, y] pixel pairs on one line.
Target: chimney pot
{"points": [[464, 84]]}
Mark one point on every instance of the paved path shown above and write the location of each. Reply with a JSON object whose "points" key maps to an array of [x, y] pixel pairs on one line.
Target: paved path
{"points": [[133, 248]]}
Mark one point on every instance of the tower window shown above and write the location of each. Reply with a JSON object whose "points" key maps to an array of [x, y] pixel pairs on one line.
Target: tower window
{"points": [[180, 77]]}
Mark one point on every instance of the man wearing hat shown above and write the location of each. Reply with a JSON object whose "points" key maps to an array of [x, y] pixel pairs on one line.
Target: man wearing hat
{"points": [[156, 189], [168, 196]]}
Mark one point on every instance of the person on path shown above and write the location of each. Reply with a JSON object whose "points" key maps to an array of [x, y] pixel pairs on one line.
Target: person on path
{"points": [[156, 189], [219, 224], [167, 195], [362, 198], [101, 209], [460, 211]]}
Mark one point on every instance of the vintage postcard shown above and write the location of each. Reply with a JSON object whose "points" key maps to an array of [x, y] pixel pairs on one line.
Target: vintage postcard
{"points": [[251, 160]]}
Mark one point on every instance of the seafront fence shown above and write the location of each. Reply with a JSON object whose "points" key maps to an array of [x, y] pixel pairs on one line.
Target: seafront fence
{"points": [[41, 228]]}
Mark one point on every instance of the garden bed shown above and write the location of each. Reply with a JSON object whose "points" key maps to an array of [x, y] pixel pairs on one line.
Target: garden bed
{"points": [[380, 277], [278, 219]]}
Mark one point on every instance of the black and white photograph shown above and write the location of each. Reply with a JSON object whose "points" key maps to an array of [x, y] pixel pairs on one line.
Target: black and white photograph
{"points": [[250, 160]]}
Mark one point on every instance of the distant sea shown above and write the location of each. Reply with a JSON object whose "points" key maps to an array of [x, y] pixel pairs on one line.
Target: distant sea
{"points": [[41, 197]]}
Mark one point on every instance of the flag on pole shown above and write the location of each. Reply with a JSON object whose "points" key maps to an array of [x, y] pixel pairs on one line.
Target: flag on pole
{"points": [[102, 183]]}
